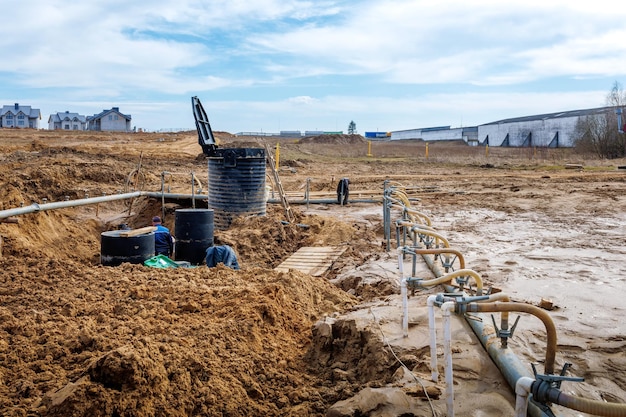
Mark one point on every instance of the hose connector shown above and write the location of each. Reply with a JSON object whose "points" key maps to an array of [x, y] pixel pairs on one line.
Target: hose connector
{"points": [[463, 300], [546, 388]]}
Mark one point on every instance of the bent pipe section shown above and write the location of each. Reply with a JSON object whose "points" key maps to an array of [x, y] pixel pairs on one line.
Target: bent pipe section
{"points": [[506, 361], [524, 308], [417, 230], [458, 273], [442, 251]]}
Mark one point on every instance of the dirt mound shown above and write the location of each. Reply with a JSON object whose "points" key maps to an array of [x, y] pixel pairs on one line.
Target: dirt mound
{"points": [[131, 340], [334, 139]]}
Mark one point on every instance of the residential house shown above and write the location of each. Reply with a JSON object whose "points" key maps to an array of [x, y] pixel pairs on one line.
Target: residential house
{"points": [[20, 116], [67, 121], [109, 120]]}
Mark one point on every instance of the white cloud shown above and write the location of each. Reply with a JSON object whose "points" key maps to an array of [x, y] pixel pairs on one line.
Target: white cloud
{"points": [[302, 100], [279, 57]]}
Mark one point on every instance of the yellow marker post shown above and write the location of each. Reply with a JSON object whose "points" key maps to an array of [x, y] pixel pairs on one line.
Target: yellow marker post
{"points": [[426, 152], [277, 155], [369, 148]]}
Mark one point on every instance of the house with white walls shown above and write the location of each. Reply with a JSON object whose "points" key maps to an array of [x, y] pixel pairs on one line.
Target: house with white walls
{"points": [[110, 121], [67, 121], [18, 116]]}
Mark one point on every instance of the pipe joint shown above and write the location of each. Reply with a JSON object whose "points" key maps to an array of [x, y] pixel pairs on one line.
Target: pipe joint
{"points": [[546, 388], [463, 301], [414, 283], [447, 262], [442, 298], [426, 240], [504, 333]]}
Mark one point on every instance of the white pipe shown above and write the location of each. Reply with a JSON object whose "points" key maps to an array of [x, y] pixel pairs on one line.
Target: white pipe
{"points": [[405, 307], [403, 293], [433, 337], [447, 307], [522, 389]]}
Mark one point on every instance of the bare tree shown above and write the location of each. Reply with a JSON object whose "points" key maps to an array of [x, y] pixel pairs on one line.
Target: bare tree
{"points": [[617, 96], [600, 133]]}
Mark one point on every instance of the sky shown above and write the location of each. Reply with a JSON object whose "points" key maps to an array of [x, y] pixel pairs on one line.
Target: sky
{"points": [[272, 65]]}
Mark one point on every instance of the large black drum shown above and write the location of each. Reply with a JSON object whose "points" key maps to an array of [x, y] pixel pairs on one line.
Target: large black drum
{"points": [[193, 230], [116, 249], [236, 184]]}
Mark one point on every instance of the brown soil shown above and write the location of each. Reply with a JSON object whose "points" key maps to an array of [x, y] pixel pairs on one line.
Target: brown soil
{"points": [[81, 339]]}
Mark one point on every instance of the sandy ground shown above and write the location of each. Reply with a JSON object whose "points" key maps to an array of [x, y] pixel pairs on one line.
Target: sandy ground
{"points": [[81, 339]]}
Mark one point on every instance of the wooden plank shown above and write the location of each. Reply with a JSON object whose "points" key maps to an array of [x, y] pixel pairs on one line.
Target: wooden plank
{"points": [[573, 166], [314, 261], [137, 232]]}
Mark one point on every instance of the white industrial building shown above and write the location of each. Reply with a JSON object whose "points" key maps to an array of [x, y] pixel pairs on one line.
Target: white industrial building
{"points": [[554, 130], [431, 134]]}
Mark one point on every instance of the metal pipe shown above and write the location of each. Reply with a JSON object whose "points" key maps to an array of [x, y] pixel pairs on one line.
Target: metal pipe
{"points": [[506, 361], [193, 190], [33, 208], [325, 201], [307, 192], [525, 308], [163, 194]]}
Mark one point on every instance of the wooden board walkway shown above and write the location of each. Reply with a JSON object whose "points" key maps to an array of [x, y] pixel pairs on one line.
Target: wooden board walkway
{"points": [[312, 260]]}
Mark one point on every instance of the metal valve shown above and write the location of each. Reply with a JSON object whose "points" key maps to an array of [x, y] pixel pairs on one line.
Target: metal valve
{"points": [[504, 333], [546, 388]]}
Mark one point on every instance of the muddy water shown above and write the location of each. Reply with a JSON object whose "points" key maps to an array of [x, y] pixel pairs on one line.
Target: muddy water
{"points": [[574, 262]]}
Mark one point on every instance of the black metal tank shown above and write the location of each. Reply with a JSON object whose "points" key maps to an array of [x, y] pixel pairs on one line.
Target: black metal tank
{"points": [[193, 229], [236, 184], [115, 249]]}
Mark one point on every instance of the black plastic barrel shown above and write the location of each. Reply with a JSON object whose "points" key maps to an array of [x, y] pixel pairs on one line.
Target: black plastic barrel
{"points": [[116, 249], [193, 229], [236, 184]]}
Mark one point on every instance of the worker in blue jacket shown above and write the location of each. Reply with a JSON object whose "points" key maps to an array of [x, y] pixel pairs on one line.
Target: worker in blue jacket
{"points": [[163, 240]]}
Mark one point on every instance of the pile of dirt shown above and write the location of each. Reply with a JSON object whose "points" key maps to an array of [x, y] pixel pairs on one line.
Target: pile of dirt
{"points": [[334, 139], [131, 340]]}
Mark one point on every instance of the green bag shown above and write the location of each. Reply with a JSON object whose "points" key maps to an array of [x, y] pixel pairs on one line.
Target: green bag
{"points": [[160, 261]]}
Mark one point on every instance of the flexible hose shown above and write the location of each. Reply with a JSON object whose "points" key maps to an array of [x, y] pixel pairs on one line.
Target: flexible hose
{"points": [[525, 308], [594, 407], [458, 273]]}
